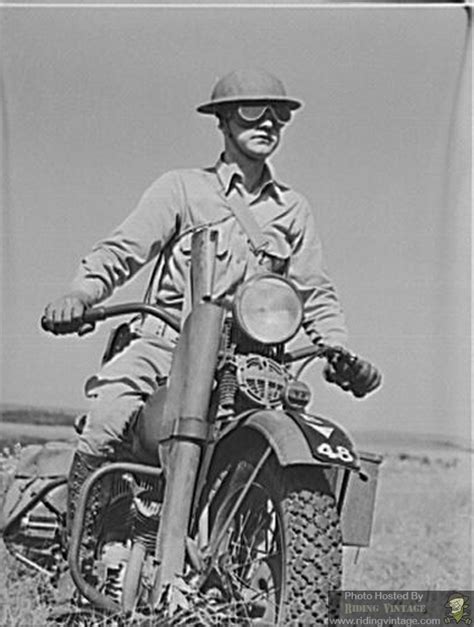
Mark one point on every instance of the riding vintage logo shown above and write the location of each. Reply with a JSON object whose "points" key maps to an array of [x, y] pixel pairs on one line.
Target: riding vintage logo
{"points": [[459, 611]]}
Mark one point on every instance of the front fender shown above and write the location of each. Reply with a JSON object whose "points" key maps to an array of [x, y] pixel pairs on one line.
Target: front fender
{"points": [[298, 438], [301, 439]]}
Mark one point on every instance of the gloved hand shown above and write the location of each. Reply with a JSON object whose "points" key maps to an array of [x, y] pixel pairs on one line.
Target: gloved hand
{"points": [[351, 373], [65, 314]]}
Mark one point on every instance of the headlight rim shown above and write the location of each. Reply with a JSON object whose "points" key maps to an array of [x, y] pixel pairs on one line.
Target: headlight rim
{"points": [[249, 283]]}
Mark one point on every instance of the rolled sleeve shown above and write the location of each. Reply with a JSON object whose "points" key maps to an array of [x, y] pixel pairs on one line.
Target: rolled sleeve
{"points": [[323, 316], [115, 259]]}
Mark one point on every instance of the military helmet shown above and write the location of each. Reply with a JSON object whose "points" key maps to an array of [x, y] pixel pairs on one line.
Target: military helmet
{"points": [[247, 85], [455, 595]]}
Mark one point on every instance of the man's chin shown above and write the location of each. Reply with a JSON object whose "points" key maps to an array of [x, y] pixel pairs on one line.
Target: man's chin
{"points": [[262, 153]]}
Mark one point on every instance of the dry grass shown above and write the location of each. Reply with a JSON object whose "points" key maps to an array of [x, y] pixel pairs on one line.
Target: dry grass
{"points": [[421, 537], [23, 598], [422, 532]]}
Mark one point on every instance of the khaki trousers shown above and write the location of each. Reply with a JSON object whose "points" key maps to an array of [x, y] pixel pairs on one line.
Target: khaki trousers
{"points": [[121, 387]]}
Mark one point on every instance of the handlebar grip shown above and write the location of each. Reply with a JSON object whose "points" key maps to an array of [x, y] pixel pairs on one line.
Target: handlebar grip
{"points": [[90, 316], [95, 314]]}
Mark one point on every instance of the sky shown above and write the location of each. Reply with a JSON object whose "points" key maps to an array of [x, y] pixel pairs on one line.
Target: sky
{"points": [[98, 102]]}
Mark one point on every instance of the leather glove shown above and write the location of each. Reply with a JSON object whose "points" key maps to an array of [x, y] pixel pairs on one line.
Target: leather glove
{"points": [[351, 373], [65, 315]]}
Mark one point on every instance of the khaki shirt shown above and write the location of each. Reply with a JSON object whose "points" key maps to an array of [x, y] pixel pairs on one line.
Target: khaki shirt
{"points": [[181, 200]]}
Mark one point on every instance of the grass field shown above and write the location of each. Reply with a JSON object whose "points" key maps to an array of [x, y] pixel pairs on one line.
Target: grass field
{"points": [[422, 530], [421, 535]]}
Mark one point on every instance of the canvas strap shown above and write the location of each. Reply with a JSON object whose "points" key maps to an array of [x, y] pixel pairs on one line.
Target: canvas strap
{"points": [[244, 217]]}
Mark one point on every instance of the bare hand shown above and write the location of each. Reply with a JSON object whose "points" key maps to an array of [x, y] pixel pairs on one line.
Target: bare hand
{"points": [[65, 315]]}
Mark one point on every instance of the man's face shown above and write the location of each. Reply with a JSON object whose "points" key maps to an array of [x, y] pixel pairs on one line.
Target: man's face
{"points": [[256, 139], [456, 604]]}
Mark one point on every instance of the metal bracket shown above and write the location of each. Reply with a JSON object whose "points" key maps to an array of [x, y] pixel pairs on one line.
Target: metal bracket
{"points": [[192, 428]]}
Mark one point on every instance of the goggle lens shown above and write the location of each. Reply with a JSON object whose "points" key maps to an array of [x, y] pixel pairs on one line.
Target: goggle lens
{"points": [[253, 113]]}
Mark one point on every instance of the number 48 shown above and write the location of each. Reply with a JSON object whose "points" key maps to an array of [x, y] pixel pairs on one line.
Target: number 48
{"points": [[340, 453]]}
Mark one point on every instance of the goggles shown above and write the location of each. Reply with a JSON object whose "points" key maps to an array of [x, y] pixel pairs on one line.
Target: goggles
{"points": [[252, 113]]}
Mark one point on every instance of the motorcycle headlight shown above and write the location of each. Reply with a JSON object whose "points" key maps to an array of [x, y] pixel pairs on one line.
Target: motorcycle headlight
{"points": [[268, 309]]}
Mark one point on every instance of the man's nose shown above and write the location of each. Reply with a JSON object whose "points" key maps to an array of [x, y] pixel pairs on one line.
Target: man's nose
{"points": [[268, 120]]}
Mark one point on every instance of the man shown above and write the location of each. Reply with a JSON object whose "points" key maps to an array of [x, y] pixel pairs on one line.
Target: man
{"points": [[458, 603], [252, 108]]}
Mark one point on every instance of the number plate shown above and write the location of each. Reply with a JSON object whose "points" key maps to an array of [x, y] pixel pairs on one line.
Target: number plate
{"points": [[327, 440]]}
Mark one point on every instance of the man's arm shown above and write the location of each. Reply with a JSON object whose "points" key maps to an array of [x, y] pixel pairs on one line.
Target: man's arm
{"points": [[116, 259], [323, 316]]}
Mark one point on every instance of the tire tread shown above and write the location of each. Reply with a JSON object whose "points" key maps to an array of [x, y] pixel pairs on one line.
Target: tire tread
{"points": [[313, 554]]}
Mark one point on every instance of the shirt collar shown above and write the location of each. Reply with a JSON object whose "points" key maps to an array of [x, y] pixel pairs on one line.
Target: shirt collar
{"points": [[230, 173]]}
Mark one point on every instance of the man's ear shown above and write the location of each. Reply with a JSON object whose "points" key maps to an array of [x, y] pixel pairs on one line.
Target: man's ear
{"points": [[223, 124], [223, 121]]}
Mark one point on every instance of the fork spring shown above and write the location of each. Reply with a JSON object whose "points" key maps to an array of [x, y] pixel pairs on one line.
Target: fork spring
{"points": [[228, 387]]}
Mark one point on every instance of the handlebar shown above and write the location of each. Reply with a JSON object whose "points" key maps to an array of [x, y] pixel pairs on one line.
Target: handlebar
{"points": [[314, 351], [95, 314]]}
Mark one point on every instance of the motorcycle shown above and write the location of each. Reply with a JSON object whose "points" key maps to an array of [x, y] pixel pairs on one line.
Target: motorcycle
{"points": [[233, 503]]}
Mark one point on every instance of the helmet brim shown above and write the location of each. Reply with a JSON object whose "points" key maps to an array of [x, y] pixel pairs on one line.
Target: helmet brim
{"points": [[212, 107]]}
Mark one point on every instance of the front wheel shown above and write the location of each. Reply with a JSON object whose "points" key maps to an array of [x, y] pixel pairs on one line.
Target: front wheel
{"points": [[278, 553]]}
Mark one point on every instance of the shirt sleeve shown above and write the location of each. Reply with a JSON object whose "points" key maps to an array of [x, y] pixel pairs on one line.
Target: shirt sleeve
{"points": [[115, 259], [323, 317]]}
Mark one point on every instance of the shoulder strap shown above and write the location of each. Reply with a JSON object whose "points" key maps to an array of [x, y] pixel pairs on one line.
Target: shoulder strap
{"points": [[244, 216]]}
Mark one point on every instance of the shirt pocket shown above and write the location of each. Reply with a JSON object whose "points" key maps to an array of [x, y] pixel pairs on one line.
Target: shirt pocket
{"points": [[183, 247], [277, 253]]}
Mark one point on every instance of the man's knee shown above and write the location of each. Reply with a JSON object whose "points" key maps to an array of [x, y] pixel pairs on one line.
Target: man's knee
{"points": [[118, 392], [107, 422]]}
